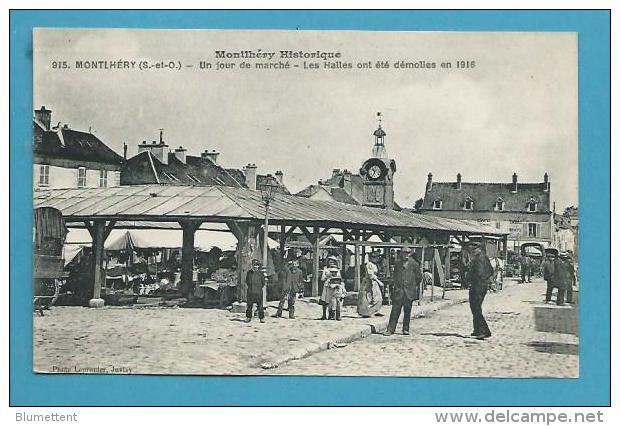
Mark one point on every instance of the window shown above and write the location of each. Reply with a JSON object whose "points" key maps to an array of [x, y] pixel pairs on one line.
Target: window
{"points": [[81, 180], [44, 175], [103, 178], [532, 229], [437, 205], [117, 178], [469, 204], [531, 206], [499, 205]]}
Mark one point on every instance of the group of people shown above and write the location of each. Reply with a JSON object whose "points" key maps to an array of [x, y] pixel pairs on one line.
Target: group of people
{"points": [[407, 280], [559, 273]]}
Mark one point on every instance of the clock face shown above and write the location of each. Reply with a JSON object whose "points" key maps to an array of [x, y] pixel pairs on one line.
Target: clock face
{"points": [[374, 172]]}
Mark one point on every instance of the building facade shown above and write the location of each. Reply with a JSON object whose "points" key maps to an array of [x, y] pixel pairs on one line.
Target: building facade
{"points": [[522, 209], [69, 158]]}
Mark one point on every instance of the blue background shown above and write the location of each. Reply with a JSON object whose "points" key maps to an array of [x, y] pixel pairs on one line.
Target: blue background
{"points": [[593, 386]]}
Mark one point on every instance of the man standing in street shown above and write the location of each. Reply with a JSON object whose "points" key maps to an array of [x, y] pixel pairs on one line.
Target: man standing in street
{"points": [[478, 274], [255, 281], [570, 277], [291, 280], [525, 265], [407, 279], [549, 272]]}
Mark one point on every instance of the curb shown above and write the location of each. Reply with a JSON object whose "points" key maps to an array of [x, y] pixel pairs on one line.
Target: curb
{"points": [[364, 331]]}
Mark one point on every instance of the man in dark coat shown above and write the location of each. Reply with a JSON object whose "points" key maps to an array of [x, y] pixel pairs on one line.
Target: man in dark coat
{"points": [[407, 279], [549, 272], [559, 280], [255, 282], [291, 280], [525, 264], [570, 277], [478, 274]]}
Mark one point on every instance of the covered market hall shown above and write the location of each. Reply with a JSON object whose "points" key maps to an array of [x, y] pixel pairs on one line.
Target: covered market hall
{"points": [[253, 219]]}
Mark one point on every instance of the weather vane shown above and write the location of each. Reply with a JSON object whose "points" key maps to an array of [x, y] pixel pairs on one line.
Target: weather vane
{"points": [[379, 117]]}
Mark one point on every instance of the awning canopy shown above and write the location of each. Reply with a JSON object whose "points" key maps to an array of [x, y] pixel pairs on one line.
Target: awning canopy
{"points": [[221, 204]]}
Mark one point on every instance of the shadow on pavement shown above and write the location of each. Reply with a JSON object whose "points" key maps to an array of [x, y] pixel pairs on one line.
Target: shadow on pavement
{"points": [[445, 335], [555, 319], [555, 348]]}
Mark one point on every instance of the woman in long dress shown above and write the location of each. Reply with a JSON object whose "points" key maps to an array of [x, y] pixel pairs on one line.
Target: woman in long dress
{"points": [[370, 298]]}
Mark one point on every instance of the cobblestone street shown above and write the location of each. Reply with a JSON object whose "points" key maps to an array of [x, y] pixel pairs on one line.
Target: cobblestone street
{"points": [[530, 339]]}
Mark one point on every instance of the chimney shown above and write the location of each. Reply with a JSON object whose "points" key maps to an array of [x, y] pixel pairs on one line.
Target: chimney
{"points": [[346, 182], [144, 146], [335, 172], [180, 154], [429, 182], [513, 188], [546, 182], [159, 151], [43, 116], [250, 175], [458, 181], [212, 156], [280, 177], [124, 150]]}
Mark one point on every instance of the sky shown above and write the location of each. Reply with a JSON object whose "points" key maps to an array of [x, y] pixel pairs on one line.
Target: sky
{"points": [[515, 111]]}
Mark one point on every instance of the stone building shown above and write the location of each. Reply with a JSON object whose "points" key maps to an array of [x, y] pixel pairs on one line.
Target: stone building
{"points": [[69, 158], [522, 209]]}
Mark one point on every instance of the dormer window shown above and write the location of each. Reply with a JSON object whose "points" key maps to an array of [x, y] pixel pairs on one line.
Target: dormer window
{"points": [[531, 206], [499, 205], [437, 205], [469, 204]]}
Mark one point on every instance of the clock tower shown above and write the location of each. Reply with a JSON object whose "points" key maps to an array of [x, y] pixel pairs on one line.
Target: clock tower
{"points": [[378, 174]]}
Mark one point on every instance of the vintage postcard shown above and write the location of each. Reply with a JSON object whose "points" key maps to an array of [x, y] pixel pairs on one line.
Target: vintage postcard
{"points": [[333, 203]]}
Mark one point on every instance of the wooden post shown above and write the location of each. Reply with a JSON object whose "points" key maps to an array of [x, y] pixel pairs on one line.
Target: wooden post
{"points": [[282, 242], [187, 257], [433, 274], [98, 241], [315, 262], [99, 231], [448, 270], [357, 284], [422, 283]]}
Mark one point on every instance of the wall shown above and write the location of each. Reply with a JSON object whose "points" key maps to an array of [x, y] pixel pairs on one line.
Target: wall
{"points": [[60, 177], [514, 222]]}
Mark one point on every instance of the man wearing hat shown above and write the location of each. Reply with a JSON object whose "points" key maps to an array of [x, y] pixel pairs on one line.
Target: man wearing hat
{"points": [[407, 279], [565, 277], [255, 281], [478, 274], [291, 280], [549, 272]]}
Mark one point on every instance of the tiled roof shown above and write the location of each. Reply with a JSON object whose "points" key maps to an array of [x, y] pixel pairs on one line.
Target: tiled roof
{"points": [[66, 143], [485, 195]]}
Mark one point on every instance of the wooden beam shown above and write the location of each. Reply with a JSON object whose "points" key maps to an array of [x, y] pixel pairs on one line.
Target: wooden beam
{"points": [[309, 235], [290, 231]]}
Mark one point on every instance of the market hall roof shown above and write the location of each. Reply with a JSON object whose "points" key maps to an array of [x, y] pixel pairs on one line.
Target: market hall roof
{"points": [[221, 204]]}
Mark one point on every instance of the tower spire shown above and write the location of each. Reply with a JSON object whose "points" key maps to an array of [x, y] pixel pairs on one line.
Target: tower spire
{"points": [[378, 150]]}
